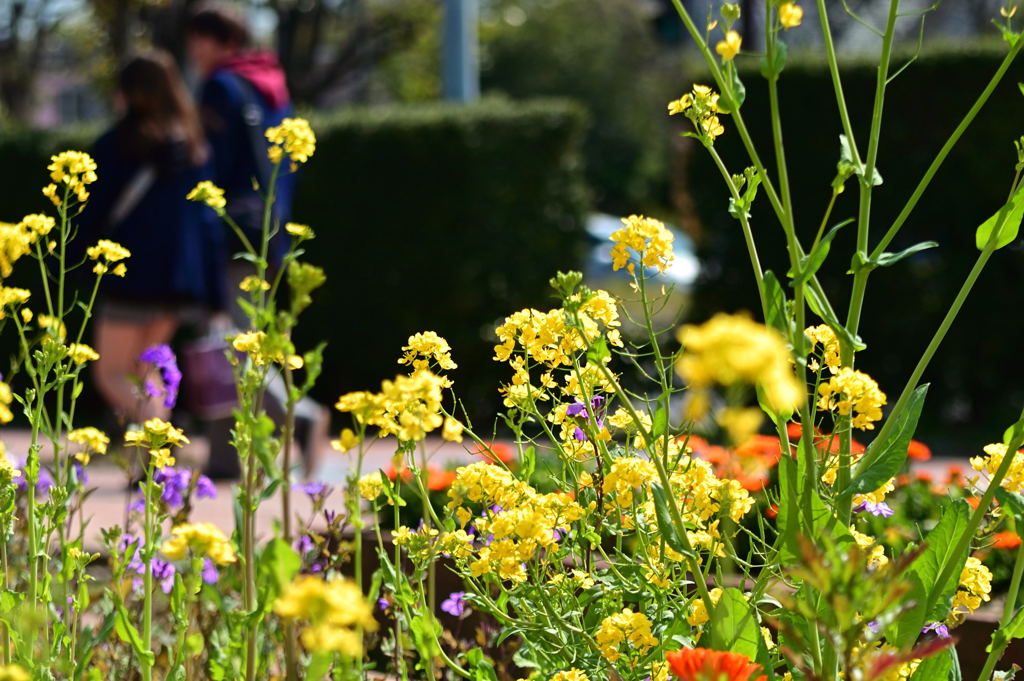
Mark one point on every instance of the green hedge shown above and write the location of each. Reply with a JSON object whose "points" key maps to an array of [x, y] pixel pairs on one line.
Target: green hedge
{"points": [[976, 387], [438, 217]]}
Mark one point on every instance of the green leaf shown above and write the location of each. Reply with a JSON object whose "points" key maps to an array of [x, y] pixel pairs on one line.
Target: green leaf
{"points": [[812, 262], [1014, 502], [887, 458], [923, 573], [734, 626], [732, 99], [528, 462], [821, 308], [127, 632], [775, 298], [773, 69], [934, 668], [318, 667], [280, 562], [791, 521], [666, 527], [660, 423], [859, 262], [1004, 225]]}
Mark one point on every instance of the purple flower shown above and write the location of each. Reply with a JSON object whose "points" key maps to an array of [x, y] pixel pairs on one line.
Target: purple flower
{"points": [[175, 484], [210, 574], [163, 572], [592, 413], [873, 626], [579, 435], [304, 544], [455, 604], [937, 628], [162, 357], [80, 473], [880, 509], [383, 603], [313, 489], [43, 484], [205, 489]]}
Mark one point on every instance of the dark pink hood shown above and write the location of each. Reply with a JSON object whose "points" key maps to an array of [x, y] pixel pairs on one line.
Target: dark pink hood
{"points": [[264, 72]]}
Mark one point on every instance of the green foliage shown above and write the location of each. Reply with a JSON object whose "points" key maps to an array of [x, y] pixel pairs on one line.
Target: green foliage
{"points": [[914, 293]]}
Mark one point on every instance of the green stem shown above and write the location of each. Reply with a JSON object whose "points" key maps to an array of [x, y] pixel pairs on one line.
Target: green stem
{"points": [[837, 83], [998, 648], [147, 596]]}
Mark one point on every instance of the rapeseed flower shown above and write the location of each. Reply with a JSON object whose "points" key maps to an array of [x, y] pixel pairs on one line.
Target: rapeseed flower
{"points": [[80, 353], [994, 454], [95, 442], [346, 441], [698, 609], [13, 297], [75, 169], [790, 15], [424, 347], [853, 393], [199, 540], [371, 486], [728, 49], [623, 627], [13, 672], [570, 675], [301, 232], [6, 398], [824, 335], [293, 138], [210, 194], [335, 613], [110, 252], [648, 238], [700, 105], [973, 589], [730, 349], [158, 437]]}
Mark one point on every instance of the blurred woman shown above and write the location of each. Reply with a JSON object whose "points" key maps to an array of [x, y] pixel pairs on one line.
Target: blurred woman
{"points": [[147, 162]]}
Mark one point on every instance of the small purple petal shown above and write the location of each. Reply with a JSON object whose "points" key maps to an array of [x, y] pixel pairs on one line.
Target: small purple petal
{"points": [[210, 573], [205, 489], [455, 604], [938, 628], [579, 435]]}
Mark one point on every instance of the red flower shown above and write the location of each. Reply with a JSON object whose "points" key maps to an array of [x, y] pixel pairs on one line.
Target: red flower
{"points": [[1005, 540], [772, 511], [919, 451], [701, 664], [437, 480], [496, 451]]}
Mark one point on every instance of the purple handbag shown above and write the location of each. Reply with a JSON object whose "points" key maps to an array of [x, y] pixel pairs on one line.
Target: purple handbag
{"points": [[209, 385]]}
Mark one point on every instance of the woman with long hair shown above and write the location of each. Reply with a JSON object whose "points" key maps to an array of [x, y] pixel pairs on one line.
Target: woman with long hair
{"points": [[147, 162]]}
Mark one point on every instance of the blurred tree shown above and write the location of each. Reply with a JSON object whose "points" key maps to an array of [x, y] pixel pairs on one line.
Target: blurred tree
{"points": [[26, 30]]}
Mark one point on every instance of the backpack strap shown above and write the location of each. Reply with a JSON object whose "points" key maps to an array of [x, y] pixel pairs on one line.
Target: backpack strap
{"points": [[253, 118], [131, 194]]}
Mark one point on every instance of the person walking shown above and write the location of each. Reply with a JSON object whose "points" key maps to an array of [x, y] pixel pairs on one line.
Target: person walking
{"points": [[148, 161], [244, 92]]}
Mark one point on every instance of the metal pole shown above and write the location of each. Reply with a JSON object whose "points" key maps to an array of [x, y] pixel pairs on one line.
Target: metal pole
{"points": [[460, 71]]}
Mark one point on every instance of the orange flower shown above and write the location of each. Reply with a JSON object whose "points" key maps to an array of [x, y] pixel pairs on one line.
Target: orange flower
{"points": [[919, 451], [701, 664], [437, 480], [925, 476], [696, 443], [772, 511], [1005, 540], [955, 472], [496, 451], [974, 501], [822, 441], [765, 447], [748, 464]]}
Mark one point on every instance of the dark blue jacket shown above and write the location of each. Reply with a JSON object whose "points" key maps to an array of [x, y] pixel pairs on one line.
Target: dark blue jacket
{"points": [[235, 143], [177, 246]]}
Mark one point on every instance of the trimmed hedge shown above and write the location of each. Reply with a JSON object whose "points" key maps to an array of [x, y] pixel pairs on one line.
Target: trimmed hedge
{"points": [[975, 377], [440, 217]]}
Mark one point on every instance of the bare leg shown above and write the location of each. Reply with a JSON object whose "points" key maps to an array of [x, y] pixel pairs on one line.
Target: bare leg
{"points": [[119, 345]]}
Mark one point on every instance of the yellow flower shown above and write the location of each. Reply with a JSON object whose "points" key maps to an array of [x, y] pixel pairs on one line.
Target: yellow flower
{"points": [[15, 241], [426, 346], [876, 555], [626, 475], [974, 588], [157, 436], [95, 441], [621, 627], [571, 675], [50, 192], [119, 270], [13, 672], [994, 454], [12, 296], [8, 472], [853, 392], [700, 105], [698, 610], [648, 238], [75, 169], [452, 430], [162, 458], [253, 283], [335, 612], [38, 225], [210, 194], [729, 47], [790, 14], [346, 441], [302, 232], [371, 486], [293, 137], [826, 337], [199, 539], [80, 353], [110, 251], [730, 349]]}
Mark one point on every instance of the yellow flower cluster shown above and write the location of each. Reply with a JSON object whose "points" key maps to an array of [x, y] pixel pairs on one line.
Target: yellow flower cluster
{"points": [[8, 472], [790, 14], [731, 349], [158, 437], [425, 346], [301, 232], [346, 441], [75, 169], [264, 349], [853, 392], [6, 398], [626, 475], [700, 105], [994, 454], [876, 554], [16, 240], [524, 522], [110, 252], [13, 672], [293, 137], [80, 353], [648, 238], [95, 442], [199, 540], [210, 194], [371, 486], [622, 627], [10, 296], [974, 588], [698, 609], [335, 611], [570, 675], [824, 335]]}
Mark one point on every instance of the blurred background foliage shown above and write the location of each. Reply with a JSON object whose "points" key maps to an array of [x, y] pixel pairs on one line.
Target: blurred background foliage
{"points": [[483, 203]]}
